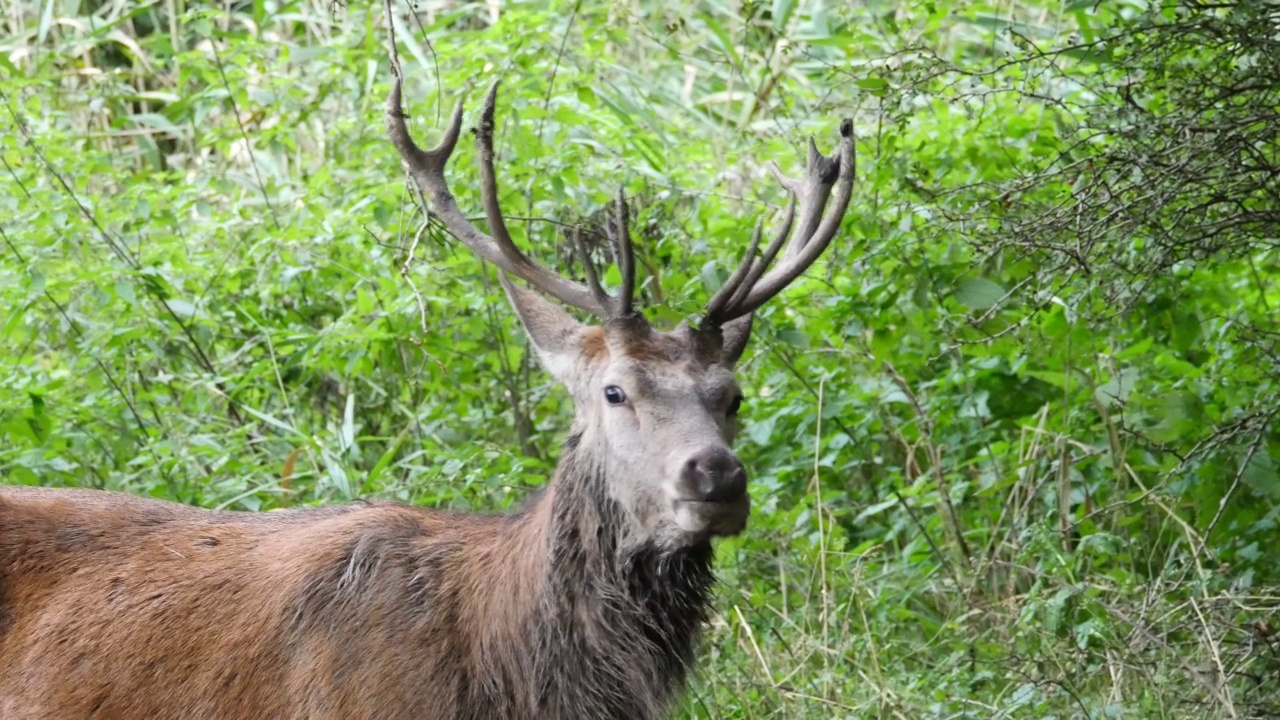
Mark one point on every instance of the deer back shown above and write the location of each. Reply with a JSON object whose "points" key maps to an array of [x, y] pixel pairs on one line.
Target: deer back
{"points": [[117, 606]]}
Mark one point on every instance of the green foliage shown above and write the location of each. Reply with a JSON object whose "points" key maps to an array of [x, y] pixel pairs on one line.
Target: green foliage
{"points": [[1013, 440]]}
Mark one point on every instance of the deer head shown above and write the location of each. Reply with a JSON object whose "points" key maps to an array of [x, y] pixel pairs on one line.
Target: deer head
{"points": [[655, 409]]}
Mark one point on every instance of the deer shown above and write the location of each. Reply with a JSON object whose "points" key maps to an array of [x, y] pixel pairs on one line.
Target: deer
{"points": [[587, 601]]}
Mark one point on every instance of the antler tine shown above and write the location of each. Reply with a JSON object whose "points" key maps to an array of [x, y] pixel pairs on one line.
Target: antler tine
{"points": [[589, 268], [749, 272], [812, 193], [771, 252], [488, 178], [730, 287], [427, 168], [625, 257], [813, 233]]}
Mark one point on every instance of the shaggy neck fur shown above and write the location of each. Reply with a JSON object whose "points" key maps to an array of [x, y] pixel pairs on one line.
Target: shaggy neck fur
{"points": [[613, 629]]}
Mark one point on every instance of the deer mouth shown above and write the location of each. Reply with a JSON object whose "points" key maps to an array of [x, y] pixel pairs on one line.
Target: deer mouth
{"points": [[715, 517]]}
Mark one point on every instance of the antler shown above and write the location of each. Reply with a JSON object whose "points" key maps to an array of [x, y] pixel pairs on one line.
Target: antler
{"points": [[427, 167], [750, 286]]}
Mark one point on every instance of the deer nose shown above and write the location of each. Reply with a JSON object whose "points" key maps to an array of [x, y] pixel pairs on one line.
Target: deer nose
{"points": [[714, 475]]}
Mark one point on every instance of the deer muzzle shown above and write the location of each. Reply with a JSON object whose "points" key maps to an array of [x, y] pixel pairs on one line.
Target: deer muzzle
{"points": [[713, 488]]}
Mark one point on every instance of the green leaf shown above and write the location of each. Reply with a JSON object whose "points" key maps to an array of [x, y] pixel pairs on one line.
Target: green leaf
{"points": [[760, 431], [711, 279], [1177, 366], [182, 308], [1136, 349], [722, 36], [156, 121], [1056, 379], [1260, 474], [46, 21], [1094, 54], [274, 422], [781, 13], [793, 337], [873, 510], [978, 293], [1118, 388], [349, 423]]}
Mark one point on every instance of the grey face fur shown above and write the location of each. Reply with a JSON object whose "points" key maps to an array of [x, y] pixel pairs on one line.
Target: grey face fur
{"points": [[657, 411]]}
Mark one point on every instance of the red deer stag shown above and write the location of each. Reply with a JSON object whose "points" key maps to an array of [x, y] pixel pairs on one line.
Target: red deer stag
{"points": [[586, 603]]}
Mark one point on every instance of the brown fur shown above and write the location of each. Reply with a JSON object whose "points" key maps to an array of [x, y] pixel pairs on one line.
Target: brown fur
{"points": [[594, 347], [113, 606]]}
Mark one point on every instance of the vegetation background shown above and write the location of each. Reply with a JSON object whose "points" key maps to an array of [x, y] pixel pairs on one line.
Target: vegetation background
{"points": [[1013, 442]]}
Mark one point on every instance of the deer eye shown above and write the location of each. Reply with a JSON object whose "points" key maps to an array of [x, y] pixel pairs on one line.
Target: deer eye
{"points": [[734, 406], [614, 395]]}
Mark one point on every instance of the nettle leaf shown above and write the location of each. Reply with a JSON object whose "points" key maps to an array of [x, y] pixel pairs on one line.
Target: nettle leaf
{"points": [[979, 293]]}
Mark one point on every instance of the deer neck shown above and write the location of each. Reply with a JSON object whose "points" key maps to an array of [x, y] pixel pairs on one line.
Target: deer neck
{"points": [[592, 543], [614, 623]]}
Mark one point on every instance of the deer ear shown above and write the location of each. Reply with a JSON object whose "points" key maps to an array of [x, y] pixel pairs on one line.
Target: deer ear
{"points": [[736, 333], [555, 334]]}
